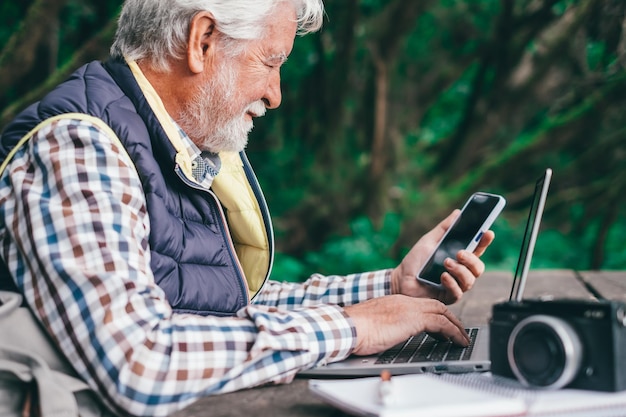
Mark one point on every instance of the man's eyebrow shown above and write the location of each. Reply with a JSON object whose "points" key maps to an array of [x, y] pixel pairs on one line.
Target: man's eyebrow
{"points": [[280, 57]]}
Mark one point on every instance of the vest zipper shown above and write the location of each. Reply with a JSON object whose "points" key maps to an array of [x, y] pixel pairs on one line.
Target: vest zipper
{"points": [[231, 246]]}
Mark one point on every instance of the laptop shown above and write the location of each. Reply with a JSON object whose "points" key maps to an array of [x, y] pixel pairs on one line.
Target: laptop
{"points": [[422, 353]]}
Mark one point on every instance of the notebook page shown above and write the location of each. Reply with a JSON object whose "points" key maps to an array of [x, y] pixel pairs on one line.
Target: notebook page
{"points": [[539, 402], [414, 395]]}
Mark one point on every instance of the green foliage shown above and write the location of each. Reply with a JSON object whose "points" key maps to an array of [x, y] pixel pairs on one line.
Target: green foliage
{"points": [[80, 20], [288, 268], [445, 114], [616, 255], [11, 13], [595, 54], [366, 248]]}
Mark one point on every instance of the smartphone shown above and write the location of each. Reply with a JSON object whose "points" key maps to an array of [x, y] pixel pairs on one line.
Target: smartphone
{"points": [[477, 215]]}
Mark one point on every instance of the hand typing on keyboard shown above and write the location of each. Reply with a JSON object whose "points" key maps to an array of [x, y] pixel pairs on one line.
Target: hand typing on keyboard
{"points": [[386, 321]]}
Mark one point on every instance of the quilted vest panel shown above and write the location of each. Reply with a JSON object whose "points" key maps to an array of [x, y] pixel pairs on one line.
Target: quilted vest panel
{"points": [[191, 255]]}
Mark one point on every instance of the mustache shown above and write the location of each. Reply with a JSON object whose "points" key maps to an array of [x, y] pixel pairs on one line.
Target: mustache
{"points": [[257, 108]]}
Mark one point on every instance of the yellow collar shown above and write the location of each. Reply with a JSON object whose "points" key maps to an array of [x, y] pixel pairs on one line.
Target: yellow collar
{"points": [[182, 156]]}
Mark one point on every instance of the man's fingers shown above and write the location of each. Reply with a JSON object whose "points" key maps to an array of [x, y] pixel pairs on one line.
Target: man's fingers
{"points": [[438, 231], [445, 330], [456, 332], [460, 276], [383, 322], [484, 242], [448, 221], [440, 320]]}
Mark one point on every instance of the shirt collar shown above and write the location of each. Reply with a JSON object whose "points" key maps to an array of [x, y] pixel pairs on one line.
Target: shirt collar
{"points": [[205, 165]]}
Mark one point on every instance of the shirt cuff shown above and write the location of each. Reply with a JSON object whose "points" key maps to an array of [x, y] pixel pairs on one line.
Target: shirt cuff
{"points": [[375, 283], [318, 334]]}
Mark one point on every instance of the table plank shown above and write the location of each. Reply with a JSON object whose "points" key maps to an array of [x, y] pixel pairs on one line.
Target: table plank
{"points": [[610, 284], [494, 286], [291, 400], [474, 308]]}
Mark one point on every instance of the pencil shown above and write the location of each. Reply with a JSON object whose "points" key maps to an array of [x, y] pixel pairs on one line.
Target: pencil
{"points": [[385, 391]]}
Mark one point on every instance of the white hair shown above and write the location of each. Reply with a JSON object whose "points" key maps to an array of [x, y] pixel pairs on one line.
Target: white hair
{"points": [[158, 30]]}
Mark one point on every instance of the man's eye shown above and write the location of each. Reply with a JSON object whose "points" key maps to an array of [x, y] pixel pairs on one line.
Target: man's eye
{"points": [[275, 62]]}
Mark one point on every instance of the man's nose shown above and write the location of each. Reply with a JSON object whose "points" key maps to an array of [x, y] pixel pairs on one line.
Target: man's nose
{"points": [[273, 95]]}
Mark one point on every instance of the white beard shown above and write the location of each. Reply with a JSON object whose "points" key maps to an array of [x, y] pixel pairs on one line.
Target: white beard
{"points": [[211, 117]]}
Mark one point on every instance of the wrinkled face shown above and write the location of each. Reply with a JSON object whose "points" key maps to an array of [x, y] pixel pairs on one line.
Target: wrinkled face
{"points": [[218, 117]]}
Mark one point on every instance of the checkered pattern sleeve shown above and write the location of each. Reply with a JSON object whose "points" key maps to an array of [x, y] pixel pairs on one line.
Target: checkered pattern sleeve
{"points": [[74, 231], [333, 289]]}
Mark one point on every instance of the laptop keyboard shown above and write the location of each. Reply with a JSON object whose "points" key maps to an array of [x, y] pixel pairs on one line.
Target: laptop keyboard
{"points": [[424, 348]]}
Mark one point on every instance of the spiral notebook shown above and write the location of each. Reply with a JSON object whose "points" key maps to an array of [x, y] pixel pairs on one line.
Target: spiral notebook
{"points": [[465, 395], [422, 353], [414, 396]]}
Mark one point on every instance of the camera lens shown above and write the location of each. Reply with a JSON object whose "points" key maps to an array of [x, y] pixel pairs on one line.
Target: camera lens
{"points": [[544, 351]]}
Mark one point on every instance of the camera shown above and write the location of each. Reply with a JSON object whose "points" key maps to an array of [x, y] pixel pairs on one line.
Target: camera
{"points": [[560, 343]]}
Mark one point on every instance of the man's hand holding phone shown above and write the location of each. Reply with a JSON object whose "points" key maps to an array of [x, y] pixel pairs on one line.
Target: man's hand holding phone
{"points": [[455, 246], [384, 321]]}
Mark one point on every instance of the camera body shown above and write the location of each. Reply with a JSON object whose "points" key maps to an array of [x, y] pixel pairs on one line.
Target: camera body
{"points": [[560, 343]]}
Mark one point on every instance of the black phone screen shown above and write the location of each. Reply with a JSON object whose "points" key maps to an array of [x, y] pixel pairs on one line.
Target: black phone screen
{"points": [[465, 229]]}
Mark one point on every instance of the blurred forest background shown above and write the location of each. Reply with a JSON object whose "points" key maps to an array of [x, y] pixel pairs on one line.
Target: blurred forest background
{"points": [[397, 111]]}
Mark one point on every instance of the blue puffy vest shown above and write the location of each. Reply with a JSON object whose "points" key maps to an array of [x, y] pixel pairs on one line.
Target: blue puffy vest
{"points": [[192, 254]]}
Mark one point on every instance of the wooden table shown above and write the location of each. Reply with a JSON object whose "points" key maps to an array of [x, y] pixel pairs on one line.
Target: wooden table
{"points": [[294, 400]]}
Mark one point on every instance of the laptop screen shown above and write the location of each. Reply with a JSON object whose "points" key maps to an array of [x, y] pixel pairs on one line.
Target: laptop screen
{"points": [[530, 235]]}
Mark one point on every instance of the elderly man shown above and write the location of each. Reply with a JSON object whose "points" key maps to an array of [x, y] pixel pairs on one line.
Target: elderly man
{"points": [[132, 223]]}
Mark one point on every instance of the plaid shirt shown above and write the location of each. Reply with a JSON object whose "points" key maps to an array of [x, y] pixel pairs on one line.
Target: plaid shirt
{"points": [[74, 232]]}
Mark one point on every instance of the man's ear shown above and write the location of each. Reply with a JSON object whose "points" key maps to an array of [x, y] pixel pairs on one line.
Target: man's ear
{"points": [[202, 39]]}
